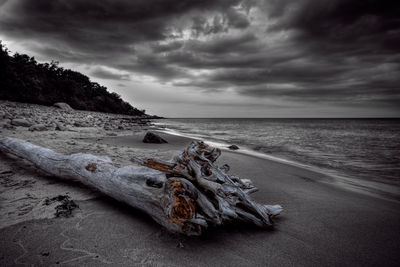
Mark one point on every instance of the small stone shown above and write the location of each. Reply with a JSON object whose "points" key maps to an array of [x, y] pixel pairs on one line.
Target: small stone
{"points": [[153, 138], [8, 126], [8, 115], [63, 106], [4, 124], [21, 122], [51, 125], [38, 127], [60, 127]]}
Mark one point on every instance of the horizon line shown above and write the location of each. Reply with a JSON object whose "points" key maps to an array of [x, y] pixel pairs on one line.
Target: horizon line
{"points": [[339, 118]]}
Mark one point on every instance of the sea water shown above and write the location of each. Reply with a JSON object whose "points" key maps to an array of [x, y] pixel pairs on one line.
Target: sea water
{"points": [[365, 149]]}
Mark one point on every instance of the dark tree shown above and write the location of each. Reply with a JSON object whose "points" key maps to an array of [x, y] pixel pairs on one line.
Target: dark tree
{"points": [[23, 79]]}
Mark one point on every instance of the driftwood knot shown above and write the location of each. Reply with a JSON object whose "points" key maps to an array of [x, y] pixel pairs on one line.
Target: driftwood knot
{"points": [[182, 206], [91, 167]]}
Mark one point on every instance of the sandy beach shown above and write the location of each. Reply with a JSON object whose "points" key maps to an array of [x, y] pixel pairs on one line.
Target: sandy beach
{"points": [[322, 224]]}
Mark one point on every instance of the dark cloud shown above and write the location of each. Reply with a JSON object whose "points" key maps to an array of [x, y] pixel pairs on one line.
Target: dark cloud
{"points": [[152, 65], [98, 26], [226, 44], [104, 73], [236, 19], [336, 51], [325, 94], [161, 48], [202, 26], [366, 23], [220, 22]]}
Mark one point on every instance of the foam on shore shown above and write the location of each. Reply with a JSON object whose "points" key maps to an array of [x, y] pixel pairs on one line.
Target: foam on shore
{"points": [[371, 188]]}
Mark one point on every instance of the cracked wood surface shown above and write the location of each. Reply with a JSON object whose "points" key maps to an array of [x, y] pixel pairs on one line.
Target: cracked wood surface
{"points": [[185, 195]]}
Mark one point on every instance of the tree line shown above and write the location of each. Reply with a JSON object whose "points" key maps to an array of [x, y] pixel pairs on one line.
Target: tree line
{"points": [[23, 79]]}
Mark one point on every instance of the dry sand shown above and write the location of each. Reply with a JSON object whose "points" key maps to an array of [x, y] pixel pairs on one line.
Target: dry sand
{"points": [[322, 224]]}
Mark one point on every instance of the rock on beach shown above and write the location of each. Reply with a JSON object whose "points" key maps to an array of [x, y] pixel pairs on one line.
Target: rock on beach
{"points": [[21, 122], [153, 138], [63, 106]]}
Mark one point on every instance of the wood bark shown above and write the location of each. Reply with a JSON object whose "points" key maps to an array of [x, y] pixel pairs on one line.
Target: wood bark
{"points": [[185, 195]]}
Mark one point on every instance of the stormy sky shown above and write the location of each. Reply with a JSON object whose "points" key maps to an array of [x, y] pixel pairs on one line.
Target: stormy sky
{"points": [[223, 58]]}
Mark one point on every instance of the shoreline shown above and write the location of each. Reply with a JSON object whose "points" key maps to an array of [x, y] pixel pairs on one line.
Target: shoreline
{"points": [[321, 220], [371, 188], [322, 224]]}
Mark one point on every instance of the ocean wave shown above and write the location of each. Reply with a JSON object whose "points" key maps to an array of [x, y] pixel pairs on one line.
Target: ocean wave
{"points": [[358, 149]]}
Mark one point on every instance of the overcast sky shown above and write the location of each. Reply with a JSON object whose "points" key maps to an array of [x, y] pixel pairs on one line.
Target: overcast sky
{"points": [[223, 58]]}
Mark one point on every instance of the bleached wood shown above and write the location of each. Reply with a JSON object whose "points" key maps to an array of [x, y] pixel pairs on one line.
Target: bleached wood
{"points": [[185, 195]]}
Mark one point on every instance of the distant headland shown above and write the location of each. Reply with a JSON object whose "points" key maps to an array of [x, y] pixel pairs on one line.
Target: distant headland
{"points": [[23, 79]]}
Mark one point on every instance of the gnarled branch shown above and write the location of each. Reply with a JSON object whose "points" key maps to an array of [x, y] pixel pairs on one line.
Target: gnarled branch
{"points": [[185, 195]]}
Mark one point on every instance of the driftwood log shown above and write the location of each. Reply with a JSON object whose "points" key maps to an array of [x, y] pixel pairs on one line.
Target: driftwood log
{"points": [[185, 195]]}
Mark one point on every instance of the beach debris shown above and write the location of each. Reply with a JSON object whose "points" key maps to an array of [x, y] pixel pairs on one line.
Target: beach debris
{"points": [[233, 147], [185, 195], [66, 206], [153, 138]]}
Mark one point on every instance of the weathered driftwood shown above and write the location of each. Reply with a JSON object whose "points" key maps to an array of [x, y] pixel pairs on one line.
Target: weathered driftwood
{"points": [[185, 195]]}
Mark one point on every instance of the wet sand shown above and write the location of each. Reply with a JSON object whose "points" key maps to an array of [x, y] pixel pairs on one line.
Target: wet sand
{"points": [[322, 224]]}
